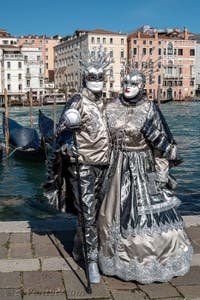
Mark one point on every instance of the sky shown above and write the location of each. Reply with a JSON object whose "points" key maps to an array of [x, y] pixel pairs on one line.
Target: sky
{"points": [[63, 17]]}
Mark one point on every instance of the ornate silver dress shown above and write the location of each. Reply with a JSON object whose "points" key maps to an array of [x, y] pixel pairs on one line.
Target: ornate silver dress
{"points": [[140, 231]]}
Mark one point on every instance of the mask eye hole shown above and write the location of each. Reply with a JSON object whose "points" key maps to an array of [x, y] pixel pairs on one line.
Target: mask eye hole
{"points": [[95, 77], [125, 82], [133, 83]]}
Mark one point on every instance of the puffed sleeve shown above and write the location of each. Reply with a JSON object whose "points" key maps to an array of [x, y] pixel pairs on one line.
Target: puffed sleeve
{"points": [[164, 147], [158, 134]]}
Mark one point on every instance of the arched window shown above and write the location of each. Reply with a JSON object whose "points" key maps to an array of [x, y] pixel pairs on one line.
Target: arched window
{"points": [[170, 49]]}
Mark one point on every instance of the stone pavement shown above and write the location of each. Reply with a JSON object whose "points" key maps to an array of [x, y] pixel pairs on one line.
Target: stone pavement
{"points": [[36, 264]]}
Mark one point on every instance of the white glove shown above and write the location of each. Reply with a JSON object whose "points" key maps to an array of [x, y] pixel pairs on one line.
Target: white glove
{"points": [[72, 118]]}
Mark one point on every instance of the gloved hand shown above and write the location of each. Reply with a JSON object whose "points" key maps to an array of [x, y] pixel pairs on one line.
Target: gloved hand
{"points": [[72, 118]]}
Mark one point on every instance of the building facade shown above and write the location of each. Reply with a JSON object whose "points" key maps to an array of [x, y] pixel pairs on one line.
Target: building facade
{"points": [[21, 70], [46, 46], [67, 69], [168, 58]]}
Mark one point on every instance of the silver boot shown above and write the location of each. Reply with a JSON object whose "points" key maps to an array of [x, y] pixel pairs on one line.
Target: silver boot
{"points": [[94, 275]]}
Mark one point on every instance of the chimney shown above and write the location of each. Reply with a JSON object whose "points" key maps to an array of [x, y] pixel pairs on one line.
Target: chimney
{"points": [[185, 33], [138, 34]]}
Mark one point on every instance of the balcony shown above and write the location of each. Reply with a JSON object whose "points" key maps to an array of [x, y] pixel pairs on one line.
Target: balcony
{"points": [[173, 75]]}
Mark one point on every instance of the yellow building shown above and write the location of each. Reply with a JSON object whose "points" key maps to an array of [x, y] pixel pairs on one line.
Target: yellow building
{"points": [[67, 72]]}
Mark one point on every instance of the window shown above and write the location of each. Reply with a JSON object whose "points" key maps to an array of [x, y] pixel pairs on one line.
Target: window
{"points": [[134, 42], [111, 40], [92, 40], [192, 52], [8, 76], [40, 71], [144, 51], [19, 65], [144, 42], [122, 54], [8, 64], [159, 51], [180, 83], [180, 51], [98, 40], [20, 87], [122, 41], [41, 83], [104, 40], [134, 51], [111, 53], [111, 84], [8, 87], [150, 51], [150, 42], [170, 49], [191, 82], [159, 42], [159, 79], [19, 76], [28, 83], [39, 57], [28, 71]]}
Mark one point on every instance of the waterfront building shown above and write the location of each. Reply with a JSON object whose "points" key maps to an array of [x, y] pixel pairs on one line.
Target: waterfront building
{"points": [[21, 70], [67, 69], [46, 45], [6, 38], [170, 56]]}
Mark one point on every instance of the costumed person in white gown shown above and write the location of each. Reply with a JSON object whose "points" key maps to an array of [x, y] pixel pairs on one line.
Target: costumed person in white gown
{"points": [[84, 112], [142, 236]]}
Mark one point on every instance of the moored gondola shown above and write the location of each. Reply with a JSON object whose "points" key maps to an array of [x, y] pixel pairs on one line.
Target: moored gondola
{"points": [[24, 143]]}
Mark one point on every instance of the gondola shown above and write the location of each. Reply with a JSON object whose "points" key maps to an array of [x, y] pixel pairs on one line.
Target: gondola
{"points": [[46, 127], [24, 143]]}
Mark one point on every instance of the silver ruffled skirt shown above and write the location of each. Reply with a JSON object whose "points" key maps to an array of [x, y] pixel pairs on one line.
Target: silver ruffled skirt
{"points": [[141, 234]]}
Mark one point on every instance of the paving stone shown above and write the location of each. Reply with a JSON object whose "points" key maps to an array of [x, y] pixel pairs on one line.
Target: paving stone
{"points": [[191, 278], [196, 260], [10, 280], [45, 297], [159, 290], [193, 232], [3, 251], [41, 238], [129, 295], [20, 250], [75, 282], [20, 237], [45, 250], [11, 265], [190, 292], [175, 298], [196, 246], [117, 284], [58, 263], [4, 237], [10, 294], [42, 282]]}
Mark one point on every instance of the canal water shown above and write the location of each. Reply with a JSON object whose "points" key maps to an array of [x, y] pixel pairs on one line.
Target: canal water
{"points": [[21, 195]]}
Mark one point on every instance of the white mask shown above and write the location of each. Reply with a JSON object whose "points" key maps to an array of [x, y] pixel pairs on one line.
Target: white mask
{"points": [[94, 79], [132, 86]]}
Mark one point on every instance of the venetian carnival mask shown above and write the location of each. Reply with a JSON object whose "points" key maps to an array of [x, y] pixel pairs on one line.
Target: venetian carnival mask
{"points": [[94, 79], [133, 85]]}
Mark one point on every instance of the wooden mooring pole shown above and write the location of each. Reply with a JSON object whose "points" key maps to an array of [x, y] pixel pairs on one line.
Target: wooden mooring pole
{"points": [[31, 108], [54, 113], [6, 123]]}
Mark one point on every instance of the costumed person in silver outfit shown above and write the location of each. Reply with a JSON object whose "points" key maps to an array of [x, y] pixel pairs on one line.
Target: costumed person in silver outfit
{"points": [[141, 234], [84, 111]]}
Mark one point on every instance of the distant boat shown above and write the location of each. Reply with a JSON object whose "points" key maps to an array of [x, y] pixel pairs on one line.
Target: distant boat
{"points": [[58, 97], [24, 143]]}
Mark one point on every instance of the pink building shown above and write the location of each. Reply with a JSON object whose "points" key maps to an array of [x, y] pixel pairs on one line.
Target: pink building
{"points": [[46, 45], [168, 59]]}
